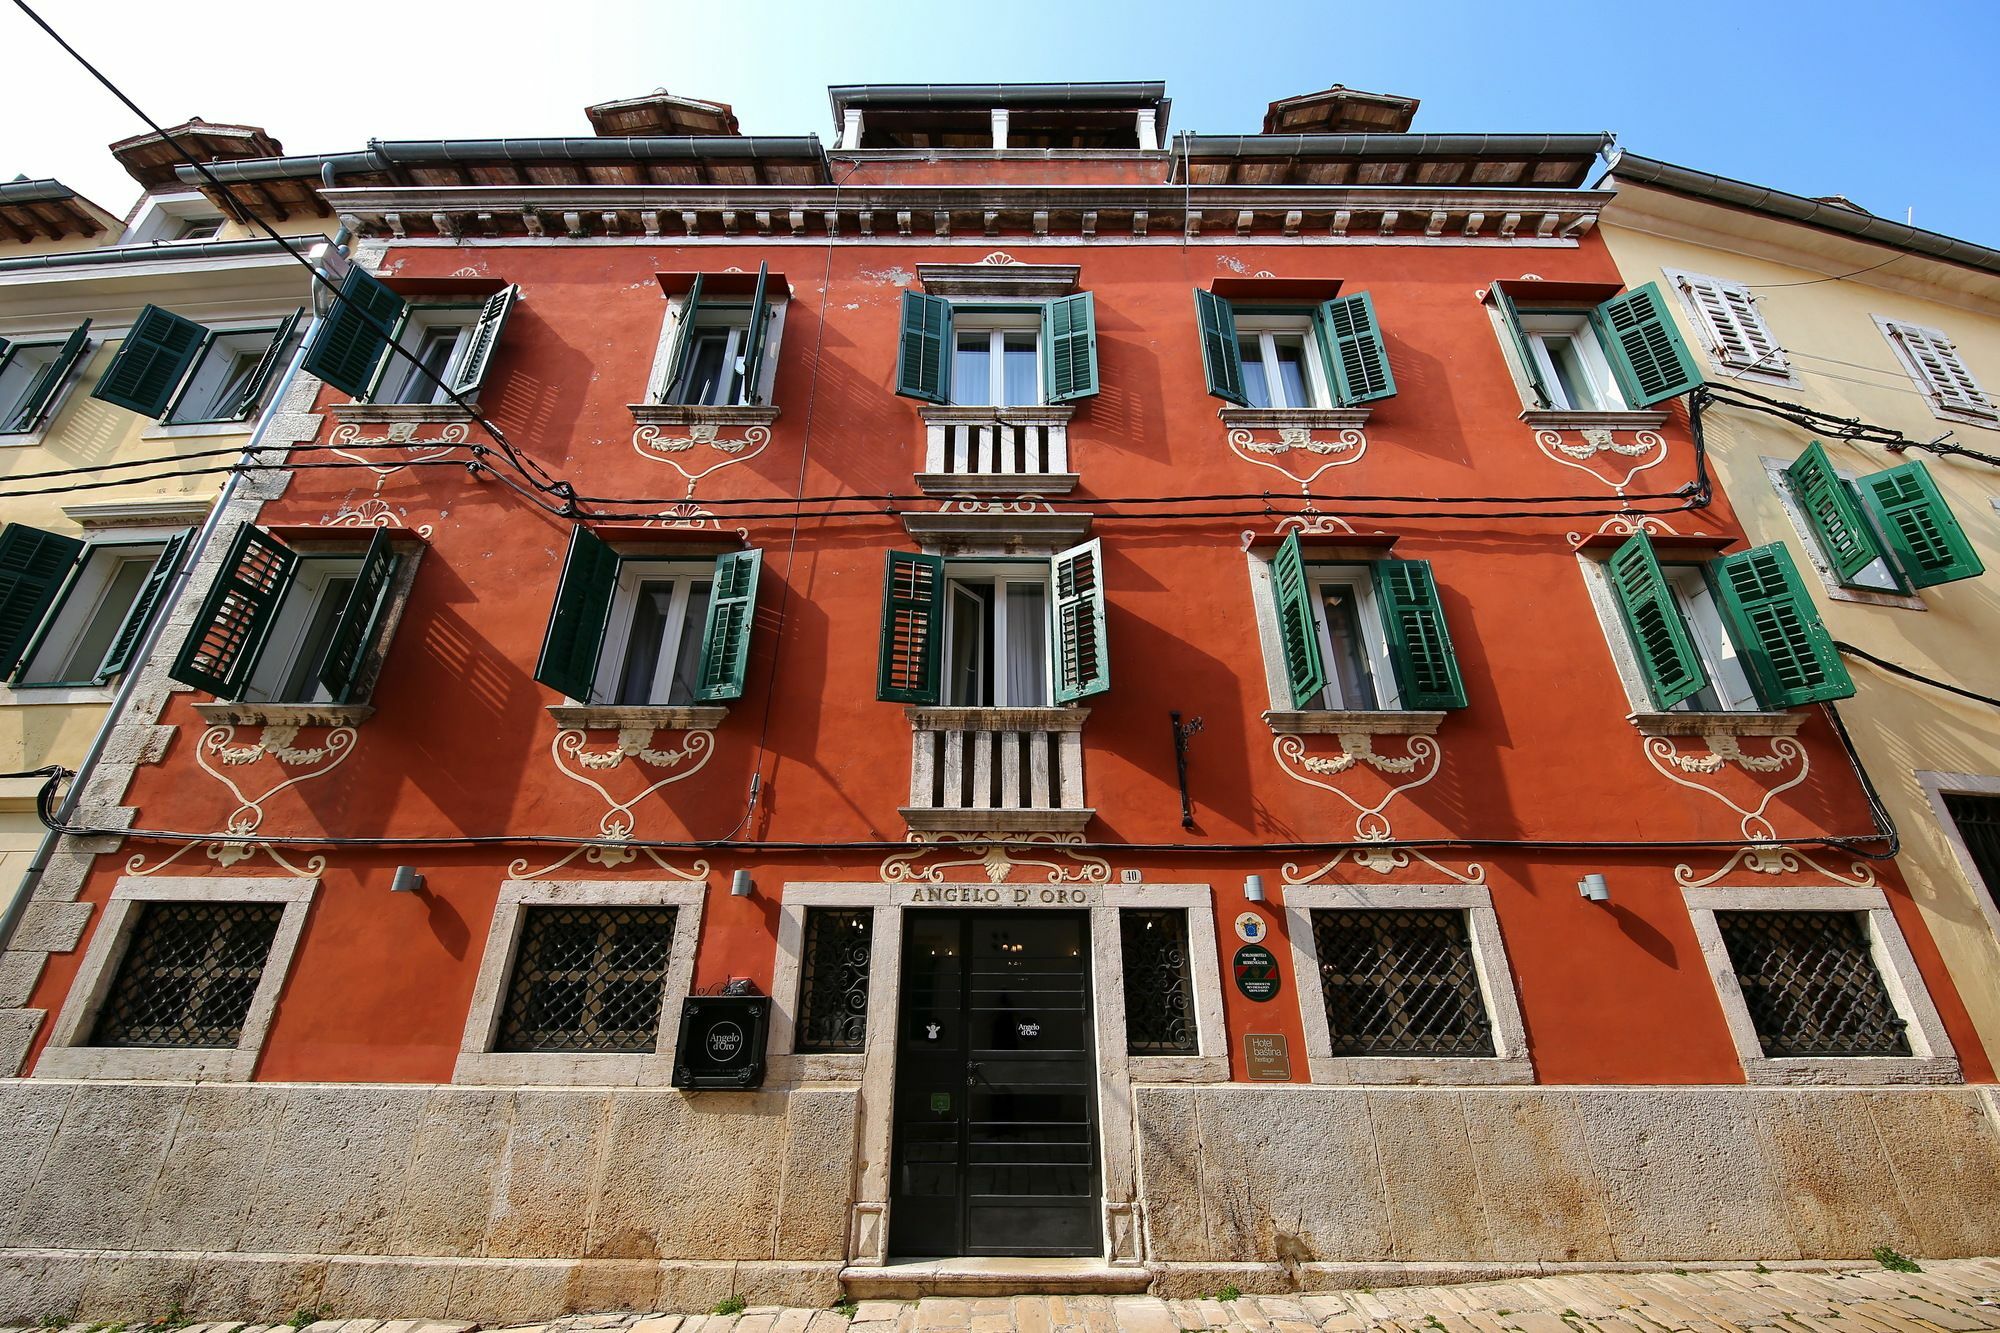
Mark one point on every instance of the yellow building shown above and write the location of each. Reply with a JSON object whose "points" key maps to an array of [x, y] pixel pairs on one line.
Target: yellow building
{"points": [[137, 357], [1814, 304]]}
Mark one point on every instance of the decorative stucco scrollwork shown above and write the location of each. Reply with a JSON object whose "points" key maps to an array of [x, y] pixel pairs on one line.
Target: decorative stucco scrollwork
{"points": [[619, 822], [1776, 859], [995, 856], [1579, 449], [1724, 750], [219, 745], [1344, 446], [348, 437]]}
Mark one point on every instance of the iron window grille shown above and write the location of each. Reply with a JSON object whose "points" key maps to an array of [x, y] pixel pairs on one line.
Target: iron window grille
{"points": [[588, 979], [1400, 983], [1159, 1003], [1978, 820], [188, 975], [833, 981], [1810, 983]]}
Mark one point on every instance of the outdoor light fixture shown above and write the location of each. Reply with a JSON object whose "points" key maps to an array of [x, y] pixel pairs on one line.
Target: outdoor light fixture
{"points": [[1253, 888], [407, 880], [739, 884], [1594, 889]]}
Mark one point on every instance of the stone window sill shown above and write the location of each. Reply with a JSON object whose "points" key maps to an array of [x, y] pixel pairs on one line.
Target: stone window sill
{"points": [[372, 412], [223, 714], [1863, 1070], [996, 719], [1017, 484], [1049, 414], [1474, 1071], [1002, 820], [691, 414], [1279, 418], [586, 717], [1785, 723], [1560, 419], [1333, 722]]}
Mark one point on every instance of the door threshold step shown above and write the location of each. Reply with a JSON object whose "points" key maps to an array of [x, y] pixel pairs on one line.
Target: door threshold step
{"points": [[908, 1279]]}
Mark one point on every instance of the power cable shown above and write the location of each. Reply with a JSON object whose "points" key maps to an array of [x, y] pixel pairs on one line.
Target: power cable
{"points": [[1894, 669]]}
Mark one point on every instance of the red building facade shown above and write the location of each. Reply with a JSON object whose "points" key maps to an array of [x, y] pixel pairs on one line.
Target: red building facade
{"points": [[1133, 649]]}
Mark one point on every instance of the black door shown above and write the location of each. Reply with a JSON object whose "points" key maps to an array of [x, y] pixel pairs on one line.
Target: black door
{"points": [[996, 1087]]}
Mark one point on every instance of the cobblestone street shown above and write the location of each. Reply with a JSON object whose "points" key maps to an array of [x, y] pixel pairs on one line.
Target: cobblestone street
{"points": [[1950, 1296]]}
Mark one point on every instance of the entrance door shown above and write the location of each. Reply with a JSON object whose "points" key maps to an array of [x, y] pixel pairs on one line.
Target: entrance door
{"points": [[996, 1087]]}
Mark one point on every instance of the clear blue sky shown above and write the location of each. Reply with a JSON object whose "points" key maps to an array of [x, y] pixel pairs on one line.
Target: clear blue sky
{"points": [[1896, 106]]}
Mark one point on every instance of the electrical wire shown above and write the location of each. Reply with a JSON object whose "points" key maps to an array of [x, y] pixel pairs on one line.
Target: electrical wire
{"points": [[1838, 277], [1894, 669]]}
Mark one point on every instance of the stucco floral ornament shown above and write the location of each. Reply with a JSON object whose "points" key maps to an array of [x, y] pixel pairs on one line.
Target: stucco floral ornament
{"points": [[995, 856], [1280, 448], [376, 512], [636, 746], [223, 757], [1719, 753], [1585, 449], [347, 437], [1420, 762], [700, 448]]}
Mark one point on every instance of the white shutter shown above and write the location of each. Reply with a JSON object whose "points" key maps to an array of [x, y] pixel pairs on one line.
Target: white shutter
{"points": [[1939, 371], [1737, 333]]}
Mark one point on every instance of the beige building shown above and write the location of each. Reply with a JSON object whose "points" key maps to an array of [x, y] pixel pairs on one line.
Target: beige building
{"points": [[1885, 486], [137, 357]]}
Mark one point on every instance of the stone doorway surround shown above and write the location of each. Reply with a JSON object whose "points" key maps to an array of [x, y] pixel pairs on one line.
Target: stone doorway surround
{"points": [[873, 1071]]}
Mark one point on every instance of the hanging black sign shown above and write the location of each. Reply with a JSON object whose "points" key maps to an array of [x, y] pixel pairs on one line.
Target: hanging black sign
{"points": [[722, 1041], [1256, 973]]}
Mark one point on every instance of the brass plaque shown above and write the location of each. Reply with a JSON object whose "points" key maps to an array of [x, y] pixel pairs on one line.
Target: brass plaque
{"points": [[1267, 1057]]}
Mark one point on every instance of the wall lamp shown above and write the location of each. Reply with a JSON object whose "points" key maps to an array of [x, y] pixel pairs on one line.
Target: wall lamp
{"points": [[1253, 888], [407, 880], [1594, 889], [739, 884]]}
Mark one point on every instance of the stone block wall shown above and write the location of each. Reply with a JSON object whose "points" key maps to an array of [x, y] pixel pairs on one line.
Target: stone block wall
{"points": [[122, 1200], [1318, 1186]]}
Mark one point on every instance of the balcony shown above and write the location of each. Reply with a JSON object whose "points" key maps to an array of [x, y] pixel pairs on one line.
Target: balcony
{"points": [[997, 770], [996, 450]]}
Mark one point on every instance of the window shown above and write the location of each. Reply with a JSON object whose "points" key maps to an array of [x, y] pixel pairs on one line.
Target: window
{"points": [[1976, 816], [32, 373], [88, 631], [1400, 982], [278, 626], [188, 975], [445, 347], [1621, 355], [182, 372], [1731, 327], [196, 229], [588, 979], [1810, 983], [637, 632], [1010, 634], [1362, 637], [1933, 362], [833, 980], [717, 353], [1159, 990], [1888, 531], [1290, 358], [987, 355], [1738, 633]]}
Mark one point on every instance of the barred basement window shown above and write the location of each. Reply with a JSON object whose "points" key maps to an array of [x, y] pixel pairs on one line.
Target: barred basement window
{"points": [[1978, 820], [1810, 983], [188, 975], [1400, 983], [1159, 1004], [588, 979], [833, 982]]}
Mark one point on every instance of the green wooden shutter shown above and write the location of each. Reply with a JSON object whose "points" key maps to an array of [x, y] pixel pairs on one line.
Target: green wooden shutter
{"points": [[144, 605], [568, 663], [1419, 641], [470, 372], [1531, 369], [1844, 536], [1355, 354], [354, 633], [1069, 347], [725, 638], [33, 566], [41, 395], [753, 340], [155, 354], [1929, 544], [1298, 630], [1653, 624], [677, 362], [1791, 657], [350, 344], [1083, 658], [1221, 359], [923, 351], [908, 670], [1644, 347], [254, 388], [236, 616]]}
